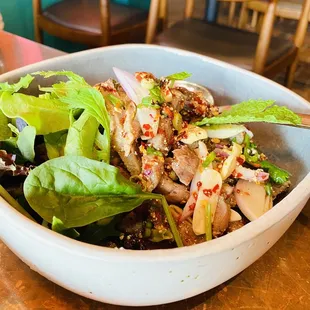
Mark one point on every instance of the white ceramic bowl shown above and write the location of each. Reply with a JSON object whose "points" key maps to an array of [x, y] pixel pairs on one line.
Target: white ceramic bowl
{"points": [[126, 277]]}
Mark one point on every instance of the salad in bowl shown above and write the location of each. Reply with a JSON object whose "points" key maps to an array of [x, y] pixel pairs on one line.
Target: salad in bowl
{"points": [[135, 162]]}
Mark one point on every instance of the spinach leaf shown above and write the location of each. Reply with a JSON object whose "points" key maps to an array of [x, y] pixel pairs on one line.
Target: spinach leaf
{"points": [[58, 226], [81, 191], [55, 144], [81, 136], [45, 115]]}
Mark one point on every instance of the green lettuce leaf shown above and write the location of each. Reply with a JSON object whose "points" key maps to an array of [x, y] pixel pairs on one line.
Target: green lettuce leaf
{"points": [[254, 111], [78, 94], [24, 82], [81, 136], [55, 144], [5, 132], [45, 115]]}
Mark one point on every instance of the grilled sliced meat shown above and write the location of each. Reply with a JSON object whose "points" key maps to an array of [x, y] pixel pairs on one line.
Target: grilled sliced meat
{"points": [[185, 164], [164, 138], [152, 171], [221, 218], [174, 192], [234, 226]]}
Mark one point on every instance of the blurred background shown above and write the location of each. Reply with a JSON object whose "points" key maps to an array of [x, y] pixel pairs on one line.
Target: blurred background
{"points": [[19, 18]]}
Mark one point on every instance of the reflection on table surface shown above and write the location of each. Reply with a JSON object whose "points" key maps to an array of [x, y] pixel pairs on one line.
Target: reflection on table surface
{"points": [[278, 280]]}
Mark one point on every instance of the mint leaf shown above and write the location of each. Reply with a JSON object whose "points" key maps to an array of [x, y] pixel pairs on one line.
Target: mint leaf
{"points": [[209, 159], [178, 76], [277, 174], [254, 111]]}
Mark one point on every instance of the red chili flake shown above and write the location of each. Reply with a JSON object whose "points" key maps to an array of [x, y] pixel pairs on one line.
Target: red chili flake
{"points": [[167, 92], [238, 191], [216, 188], [152, 134], [195, 195], [146, 126], [147, 166], [160, 131], [238, 175], [147, 133], [199, 184], [198, 99], [122, 120], [207, 192], [192, 206], [246, 193], [240, 160]]}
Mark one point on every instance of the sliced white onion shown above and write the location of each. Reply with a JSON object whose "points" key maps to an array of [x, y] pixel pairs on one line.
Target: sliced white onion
{"points": [[194, 133], [251, 199], [230, 163], [208, 194], [131, 86], [224, 131], [234, 216], [149, 121]]}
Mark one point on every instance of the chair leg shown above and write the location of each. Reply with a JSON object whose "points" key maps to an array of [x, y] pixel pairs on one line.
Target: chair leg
{"points": [[231, 14], [254, 19], [290, 74], [38, 34]]}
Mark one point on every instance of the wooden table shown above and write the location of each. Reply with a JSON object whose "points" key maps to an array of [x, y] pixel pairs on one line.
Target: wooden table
{"points": [[278, 280]]}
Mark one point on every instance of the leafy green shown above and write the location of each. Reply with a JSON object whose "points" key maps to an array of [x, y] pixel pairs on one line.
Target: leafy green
{"points": [[94, 233], [45, 115], [155, 94], [114, 100], [277, 174], [24, 82], [152, 151], [208, 222], [55, 144], [81, 136], [58, 226], [209, 159], [5, 132], [25, 142], [178, 76], [148, 102], [80, 191], [78, 94], [254, 111], [250, 151], [268, 189]]}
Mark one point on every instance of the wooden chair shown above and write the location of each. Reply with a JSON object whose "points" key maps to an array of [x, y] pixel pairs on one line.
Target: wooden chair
{"points": [[97, 22], [262, 53], [285, 9]]}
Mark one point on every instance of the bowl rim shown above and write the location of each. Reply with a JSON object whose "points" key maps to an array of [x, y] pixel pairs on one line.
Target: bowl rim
{"points": [[228, 242]]}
